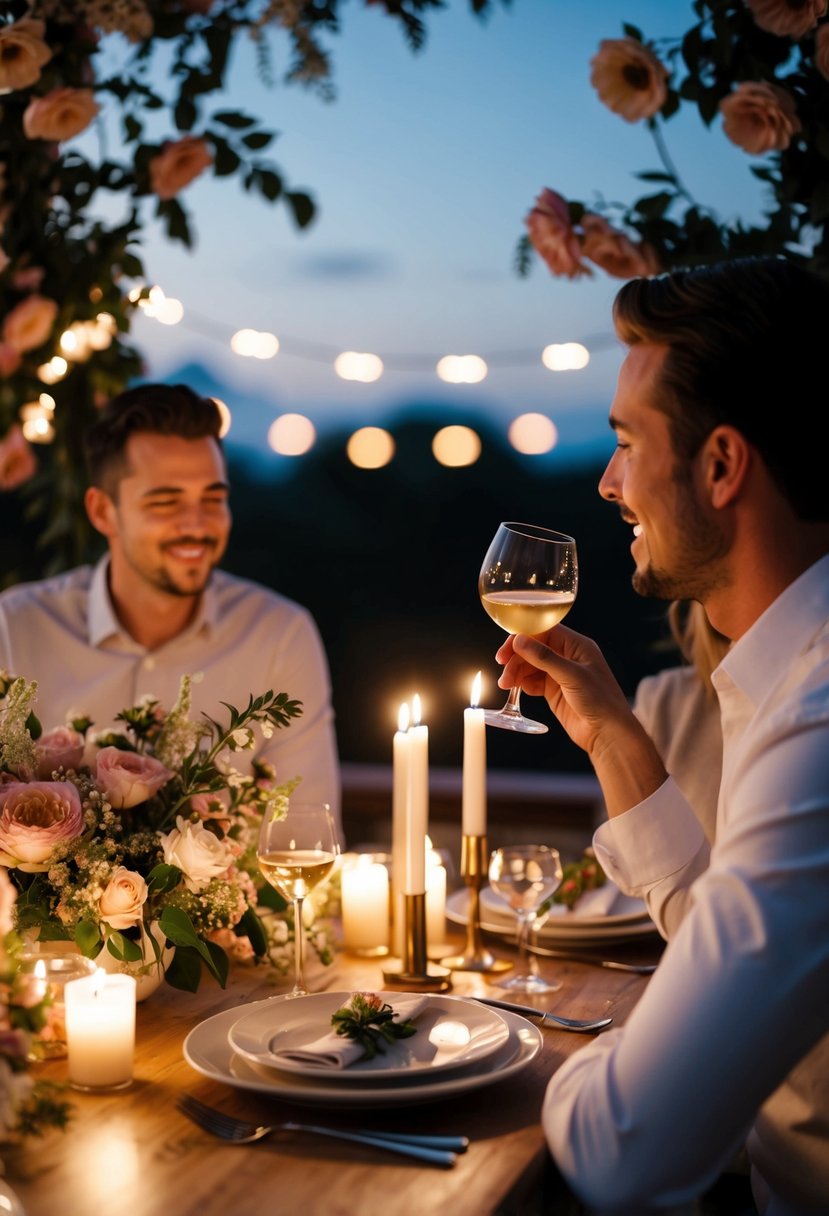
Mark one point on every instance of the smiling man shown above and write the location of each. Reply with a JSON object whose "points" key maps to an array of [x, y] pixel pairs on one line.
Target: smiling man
{"points": [[156, 607], [719, 471]]}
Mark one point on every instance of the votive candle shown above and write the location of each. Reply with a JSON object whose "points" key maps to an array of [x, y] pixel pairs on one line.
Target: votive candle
{"points": [[435, 899], [365, 906], [100, 1030]]}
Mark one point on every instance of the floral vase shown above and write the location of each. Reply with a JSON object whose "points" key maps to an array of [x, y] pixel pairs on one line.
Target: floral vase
{"points": [[146, 980]]}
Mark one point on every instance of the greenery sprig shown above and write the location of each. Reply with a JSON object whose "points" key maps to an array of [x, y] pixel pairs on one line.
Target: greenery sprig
{"points": [[579, 876], [370, 1022]]}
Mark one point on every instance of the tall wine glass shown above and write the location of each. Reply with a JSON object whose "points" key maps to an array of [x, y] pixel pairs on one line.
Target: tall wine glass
{"points": [[524, 875], [527, 584], [295, 854]]}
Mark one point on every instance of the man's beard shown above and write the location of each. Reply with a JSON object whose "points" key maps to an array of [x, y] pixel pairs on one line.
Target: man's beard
{"points": [[695, 569]]}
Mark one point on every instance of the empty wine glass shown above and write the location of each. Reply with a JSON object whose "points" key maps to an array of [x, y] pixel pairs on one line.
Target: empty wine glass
{"points": [[527, 584], [295, 853], [524, 875]]}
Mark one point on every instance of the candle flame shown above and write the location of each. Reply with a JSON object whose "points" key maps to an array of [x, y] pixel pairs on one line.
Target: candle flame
{"points": [[99, 979], [416, 710], [403, 718], [475, 698]]}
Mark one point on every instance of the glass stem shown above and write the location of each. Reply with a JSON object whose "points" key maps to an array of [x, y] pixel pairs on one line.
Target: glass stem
{"points": [[513, 705], [299, 943], [523, 937]]}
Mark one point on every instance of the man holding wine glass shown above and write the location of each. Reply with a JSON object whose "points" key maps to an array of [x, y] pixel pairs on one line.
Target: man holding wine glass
{"points": [[719, 474]]}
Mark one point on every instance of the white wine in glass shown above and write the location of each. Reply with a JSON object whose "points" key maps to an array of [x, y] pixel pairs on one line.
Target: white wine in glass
{"points": [[528, 583], [295, 854]]}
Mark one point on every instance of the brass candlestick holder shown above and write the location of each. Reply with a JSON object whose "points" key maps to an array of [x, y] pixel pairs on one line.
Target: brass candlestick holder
{"points": [[414, 972], [474, 866]]}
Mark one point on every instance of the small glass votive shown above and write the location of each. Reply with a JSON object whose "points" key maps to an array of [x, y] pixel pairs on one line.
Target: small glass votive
{"points": [[100, 1031], [365, 904], [50, 971]]}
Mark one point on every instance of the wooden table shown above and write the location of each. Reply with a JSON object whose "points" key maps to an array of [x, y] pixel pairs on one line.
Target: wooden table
{"points": [[131, 1153]]}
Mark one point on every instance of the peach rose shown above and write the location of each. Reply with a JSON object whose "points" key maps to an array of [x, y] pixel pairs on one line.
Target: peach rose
{"points": [[30, 322], [759, 117], [59, 748], [17, 460], [178, 164], [822, 51], [629, 79], [34, 817], [787, 18], [552, 235], [128, 778], [615, 252], [60, 114], [197, 852], [238, 948], [22, 53], [122, 903]]}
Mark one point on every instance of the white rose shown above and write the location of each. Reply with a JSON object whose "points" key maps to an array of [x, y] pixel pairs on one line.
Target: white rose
{"points": [[197, 852]]}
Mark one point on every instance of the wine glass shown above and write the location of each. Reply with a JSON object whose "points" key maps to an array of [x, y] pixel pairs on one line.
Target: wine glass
{"points": [[524, 875], [527, 584], [295, 854]]}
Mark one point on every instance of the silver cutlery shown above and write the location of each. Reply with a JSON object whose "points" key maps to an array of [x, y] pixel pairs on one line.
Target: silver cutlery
{"points": [[611, 964], [584, 1026], [435, 1150]]}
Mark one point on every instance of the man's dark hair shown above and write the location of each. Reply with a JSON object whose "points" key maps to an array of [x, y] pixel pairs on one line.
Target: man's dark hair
{"points": [[162, 409], [747, 348]]}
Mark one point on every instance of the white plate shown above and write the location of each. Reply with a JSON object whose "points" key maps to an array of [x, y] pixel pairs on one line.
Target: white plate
{"points": [[451, 1033], [208, 1051], [625, 909], [595, 934]]}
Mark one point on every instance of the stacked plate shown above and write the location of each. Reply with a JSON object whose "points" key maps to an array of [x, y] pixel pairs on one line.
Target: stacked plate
{"points": [[459, 1046], [599, 916]]}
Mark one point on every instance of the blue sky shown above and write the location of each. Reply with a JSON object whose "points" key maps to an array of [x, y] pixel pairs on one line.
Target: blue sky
{"points": [[423, 169]]}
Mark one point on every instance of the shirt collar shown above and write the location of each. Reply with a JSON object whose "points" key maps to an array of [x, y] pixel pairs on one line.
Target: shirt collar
{"points": [[102, 622], [761, 657]]}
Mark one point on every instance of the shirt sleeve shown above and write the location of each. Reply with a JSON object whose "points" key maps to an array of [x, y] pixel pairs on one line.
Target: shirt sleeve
{"points": [[646, 1116]]}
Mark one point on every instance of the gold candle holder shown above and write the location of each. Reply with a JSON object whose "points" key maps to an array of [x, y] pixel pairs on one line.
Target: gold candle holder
{"points": [[414, 972], [474, 866]]}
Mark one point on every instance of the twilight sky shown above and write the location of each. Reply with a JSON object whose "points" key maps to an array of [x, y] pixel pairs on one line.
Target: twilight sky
{"points": [[423, 169]]}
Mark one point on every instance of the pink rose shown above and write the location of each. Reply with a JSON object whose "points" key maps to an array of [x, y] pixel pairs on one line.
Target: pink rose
{"points": [[122, 903], [17, 460], [22, 54], [177, 164], [785, 18], [62, 747], [60, 114], [615, 252], [210, 806], [34, 817], [629, 79], [30, 322], [552, 235], [759, 117], [128, 778]]}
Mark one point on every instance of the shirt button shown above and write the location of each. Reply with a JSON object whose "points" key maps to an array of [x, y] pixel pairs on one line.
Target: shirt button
{"points": [[149, 663]]}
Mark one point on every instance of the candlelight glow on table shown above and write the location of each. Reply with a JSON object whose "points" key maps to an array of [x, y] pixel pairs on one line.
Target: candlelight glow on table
{"points": [[100, 1030]]}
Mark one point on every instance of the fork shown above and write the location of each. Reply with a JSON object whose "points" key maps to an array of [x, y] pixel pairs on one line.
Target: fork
{"points": [[436, 1150]]}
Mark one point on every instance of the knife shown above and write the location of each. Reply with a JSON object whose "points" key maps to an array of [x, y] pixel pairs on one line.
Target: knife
{"points": [[635, 968], [579, 1025]]}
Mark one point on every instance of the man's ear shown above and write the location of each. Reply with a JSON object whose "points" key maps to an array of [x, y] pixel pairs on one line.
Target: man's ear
{"points": [[726, 459], [101, 510]]}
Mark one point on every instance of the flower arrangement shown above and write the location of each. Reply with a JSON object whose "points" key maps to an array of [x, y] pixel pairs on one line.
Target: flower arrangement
{"points": [[759, 66], [151, 848], [114, 102], [27, 1106]]}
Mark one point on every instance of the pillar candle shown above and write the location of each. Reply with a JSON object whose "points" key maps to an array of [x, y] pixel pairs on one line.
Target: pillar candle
{"points": [[401, 747], [435, 899], [365, 906], [100, 1030], [474, 765], [417, 817]]}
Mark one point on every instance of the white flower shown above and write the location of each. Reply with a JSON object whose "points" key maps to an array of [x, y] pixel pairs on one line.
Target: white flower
{"points": [[241, 739], [197, 852]]}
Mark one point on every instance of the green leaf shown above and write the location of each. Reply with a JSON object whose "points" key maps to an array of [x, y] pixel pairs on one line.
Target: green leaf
{"points": [[302, 206], [185, 114], [122, 948], [250, 926], [177, 926], [163, 878], [232, 118], [185, 970], [258, 140], [267, 897], [87, 938]]}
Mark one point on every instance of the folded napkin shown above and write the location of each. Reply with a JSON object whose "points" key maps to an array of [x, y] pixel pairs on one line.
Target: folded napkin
{"points": [[598, 902], [332, 1050]]}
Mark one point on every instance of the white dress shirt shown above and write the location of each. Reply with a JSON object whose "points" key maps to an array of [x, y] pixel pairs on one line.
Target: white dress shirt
{"points": [[730, 1041], [245, 639]]}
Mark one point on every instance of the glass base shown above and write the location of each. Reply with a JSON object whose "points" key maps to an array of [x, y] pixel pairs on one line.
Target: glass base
{"points": [[511, 721], [527, 985]]}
